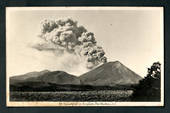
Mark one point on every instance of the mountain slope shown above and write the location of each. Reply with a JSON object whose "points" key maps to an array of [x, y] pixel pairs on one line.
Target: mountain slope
{"points": [[59, 77], [25, 77], [108, 74], [56, 77], [111, 73]]}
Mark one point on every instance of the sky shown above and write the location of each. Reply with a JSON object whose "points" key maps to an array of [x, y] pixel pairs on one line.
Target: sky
{"points": [[133, 36]]}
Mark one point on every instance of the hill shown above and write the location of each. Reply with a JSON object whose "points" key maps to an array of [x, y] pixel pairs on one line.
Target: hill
{"points": [[56, 77]]}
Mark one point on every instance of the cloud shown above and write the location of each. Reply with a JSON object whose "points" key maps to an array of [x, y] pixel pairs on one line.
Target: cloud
{"points": [[65, 37]]}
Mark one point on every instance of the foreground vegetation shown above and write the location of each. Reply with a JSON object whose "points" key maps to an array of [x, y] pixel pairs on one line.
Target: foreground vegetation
{"points": [[149, 88], [102, 95]]}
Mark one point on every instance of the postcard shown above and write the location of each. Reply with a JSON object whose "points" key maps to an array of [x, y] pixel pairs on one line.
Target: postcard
{"points": [[84, 56]]}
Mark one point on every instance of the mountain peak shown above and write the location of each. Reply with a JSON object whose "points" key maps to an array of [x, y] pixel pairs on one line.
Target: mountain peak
{"points": [[114, 63], [117, 64], [109, 65], [110, 73], [45, 71]]}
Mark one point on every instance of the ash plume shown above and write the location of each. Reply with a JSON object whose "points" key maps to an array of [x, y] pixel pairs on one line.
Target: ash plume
{"points": [[64, 35]]}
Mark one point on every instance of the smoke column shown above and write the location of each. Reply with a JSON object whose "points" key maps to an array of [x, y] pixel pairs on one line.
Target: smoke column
{"points": [[64, 36]]}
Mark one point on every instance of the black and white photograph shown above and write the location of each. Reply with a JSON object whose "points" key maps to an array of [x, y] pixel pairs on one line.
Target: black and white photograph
{"points": [[84, 56]]}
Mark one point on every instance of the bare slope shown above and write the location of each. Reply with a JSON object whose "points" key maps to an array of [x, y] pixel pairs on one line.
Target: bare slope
{"points": [[111, 73]]}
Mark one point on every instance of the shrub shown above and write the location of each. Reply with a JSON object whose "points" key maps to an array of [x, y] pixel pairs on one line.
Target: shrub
{"points": [[148, 88]]}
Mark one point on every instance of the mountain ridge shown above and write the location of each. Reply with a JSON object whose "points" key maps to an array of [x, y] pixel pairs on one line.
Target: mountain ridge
{"points": [[108, 74]]}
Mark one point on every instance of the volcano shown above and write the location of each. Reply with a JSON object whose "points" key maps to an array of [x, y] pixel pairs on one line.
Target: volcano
{"points": [[110, 74]]}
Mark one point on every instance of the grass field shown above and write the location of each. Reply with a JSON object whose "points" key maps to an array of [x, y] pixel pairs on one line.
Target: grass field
{"points": [[104, 95]]}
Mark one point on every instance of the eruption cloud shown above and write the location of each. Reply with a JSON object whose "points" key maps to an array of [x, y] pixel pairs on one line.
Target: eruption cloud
{"points": [[64, 35]]}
